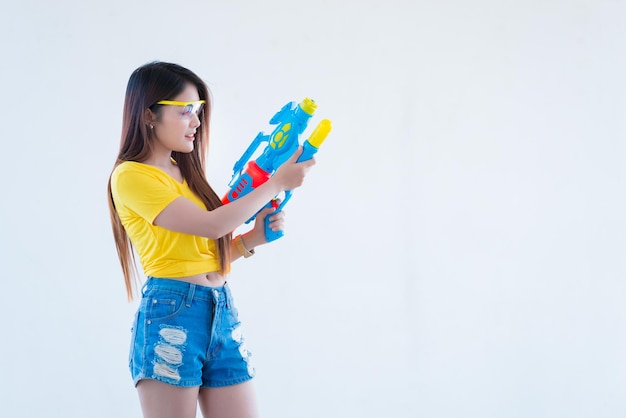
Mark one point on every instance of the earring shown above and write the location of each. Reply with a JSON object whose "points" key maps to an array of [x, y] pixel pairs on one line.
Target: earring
{"points": [[151, 127]]}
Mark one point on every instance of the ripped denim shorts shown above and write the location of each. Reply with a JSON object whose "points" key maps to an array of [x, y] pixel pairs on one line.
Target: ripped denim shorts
{"points": [[188, 335]]}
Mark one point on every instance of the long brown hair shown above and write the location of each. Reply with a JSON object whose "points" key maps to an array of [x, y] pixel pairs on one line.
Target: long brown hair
{"points": [[147, 85]]}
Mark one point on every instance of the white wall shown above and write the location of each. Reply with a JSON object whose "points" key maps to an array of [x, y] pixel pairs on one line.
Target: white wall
{"points": [[458, 251]]}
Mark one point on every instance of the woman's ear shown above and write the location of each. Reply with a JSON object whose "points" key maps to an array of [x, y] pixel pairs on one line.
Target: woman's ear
{"points": [[151, 118]]}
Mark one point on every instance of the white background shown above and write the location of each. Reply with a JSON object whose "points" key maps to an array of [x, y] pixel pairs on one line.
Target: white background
{"points": [[458, 251]]}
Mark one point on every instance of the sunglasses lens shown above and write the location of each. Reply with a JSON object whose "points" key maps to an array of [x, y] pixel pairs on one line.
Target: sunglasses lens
{"points": [[192, 108]]}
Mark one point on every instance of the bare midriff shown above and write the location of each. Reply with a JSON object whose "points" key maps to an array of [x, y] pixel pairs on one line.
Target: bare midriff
{"points": [[212, 279]]}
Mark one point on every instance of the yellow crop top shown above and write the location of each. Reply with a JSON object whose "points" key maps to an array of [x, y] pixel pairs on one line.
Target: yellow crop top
{"points": [[140, 192]]}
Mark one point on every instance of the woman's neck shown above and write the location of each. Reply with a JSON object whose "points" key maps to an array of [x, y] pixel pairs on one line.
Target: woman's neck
{"points": [[162, 160]]}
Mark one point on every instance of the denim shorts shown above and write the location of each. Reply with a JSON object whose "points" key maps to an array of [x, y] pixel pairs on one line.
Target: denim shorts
{"points": [[188, 335]]}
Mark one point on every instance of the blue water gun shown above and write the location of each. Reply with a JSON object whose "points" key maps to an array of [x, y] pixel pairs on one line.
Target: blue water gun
{"points": [[290, 121]]}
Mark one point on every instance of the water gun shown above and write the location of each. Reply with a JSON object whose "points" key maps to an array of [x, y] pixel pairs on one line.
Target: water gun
{"points": [[290, 121]]}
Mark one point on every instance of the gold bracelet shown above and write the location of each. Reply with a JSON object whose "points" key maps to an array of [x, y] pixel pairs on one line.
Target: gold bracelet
{"points": [[241, 247]]}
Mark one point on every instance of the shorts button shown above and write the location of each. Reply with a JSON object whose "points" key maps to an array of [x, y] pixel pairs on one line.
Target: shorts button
{"points": [[148, 322]]}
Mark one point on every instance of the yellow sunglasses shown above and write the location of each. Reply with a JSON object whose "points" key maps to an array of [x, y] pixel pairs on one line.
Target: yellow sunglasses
{"points": [[188, 107]]}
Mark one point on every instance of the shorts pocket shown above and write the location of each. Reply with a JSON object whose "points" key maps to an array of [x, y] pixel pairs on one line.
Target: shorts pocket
{"points": [[163, 305]]}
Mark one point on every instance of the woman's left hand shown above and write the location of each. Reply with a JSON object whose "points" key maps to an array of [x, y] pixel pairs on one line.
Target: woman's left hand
{"points": [[277, 223]]}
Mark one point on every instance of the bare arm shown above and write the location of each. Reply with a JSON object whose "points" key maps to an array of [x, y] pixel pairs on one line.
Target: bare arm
{"points": [[184, 216]]}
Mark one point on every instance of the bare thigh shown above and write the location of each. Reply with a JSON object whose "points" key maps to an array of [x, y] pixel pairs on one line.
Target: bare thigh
{"points": [[237, 401], [160, 400]]}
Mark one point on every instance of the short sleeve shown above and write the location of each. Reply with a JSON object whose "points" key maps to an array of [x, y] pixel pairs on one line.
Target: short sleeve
{"points": [[142, 192]]}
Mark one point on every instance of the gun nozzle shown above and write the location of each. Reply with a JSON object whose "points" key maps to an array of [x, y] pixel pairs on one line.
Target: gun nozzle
{"points": [[308, 105], [320, 133]]}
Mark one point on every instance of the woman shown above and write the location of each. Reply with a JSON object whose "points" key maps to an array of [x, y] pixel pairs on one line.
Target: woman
{"points": [[187, 347]]}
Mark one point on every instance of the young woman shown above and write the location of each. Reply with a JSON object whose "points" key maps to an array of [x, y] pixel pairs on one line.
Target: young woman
{"points": [[187, 347]]}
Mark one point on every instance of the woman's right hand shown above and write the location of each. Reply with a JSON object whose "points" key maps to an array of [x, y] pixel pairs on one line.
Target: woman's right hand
{"points": [[290, 174]]}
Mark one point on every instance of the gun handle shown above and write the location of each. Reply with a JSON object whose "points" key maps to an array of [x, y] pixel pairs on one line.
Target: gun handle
{"points": [[274, 235], [269, 234]]}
